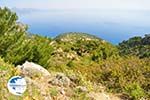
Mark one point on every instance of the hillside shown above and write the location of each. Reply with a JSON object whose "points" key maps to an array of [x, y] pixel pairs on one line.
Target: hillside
{"points": [[139, 46], [122, 70], [53, 85], [72, 48], [75, 36]]}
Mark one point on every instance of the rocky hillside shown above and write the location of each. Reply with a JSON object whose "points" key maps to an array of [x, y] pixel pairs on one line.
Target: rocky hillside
{"points": [[75, 47], [77, 66], [75, 36], [44, 85]]}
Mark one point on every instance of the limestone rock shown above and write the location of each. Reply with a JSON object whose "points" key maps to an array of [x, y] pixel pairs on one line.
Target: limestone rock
{"points": [[30, 69]]}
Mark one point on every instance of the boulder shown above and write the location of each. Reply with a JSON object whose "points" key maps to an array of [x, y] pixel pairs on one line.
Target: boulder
{"points": [[31, 69]]}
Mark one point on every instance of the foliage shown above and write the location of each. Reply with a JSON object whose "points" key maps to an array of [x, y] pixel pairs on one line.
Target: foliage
{"points": [[17, 46], [91, 59], [135, 91], [136, 46], [53, 91], [117, 74]]}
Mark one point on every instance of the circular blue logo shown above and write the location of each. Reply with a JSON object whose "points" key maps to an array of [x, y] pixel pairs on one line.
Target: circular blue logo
{"points": [[17, 85]]}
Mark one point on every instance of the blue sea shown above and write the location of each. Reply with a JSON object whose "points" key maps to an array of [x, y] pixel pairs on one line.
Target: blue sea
{"points": [[111, 25]]}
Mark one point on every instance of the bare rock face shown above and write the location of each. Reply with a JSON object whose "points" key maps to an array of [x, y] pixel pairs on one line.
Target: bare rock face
{"points": [[30, 69]]}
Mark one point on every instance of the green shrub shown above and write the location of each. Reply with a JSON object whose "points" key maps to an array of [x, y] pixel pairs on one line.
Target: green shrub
{"points": [[135, 91], [53, 92]]}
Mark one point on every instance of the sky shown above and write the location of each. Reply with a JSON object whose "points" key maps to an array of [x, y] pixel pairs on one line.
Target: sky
{"points": [[79, 4], [112, 20]]}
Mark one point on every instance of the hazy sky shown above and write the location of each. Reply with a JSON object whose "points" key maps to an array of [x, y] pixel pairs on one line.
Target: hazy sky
{"points": [[79, 4]]}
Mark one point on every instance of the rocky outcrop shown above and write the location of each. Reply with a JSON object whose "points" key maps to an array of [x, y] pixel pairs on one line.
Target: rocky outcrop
{"points": [[57, 86], [31, 69]]}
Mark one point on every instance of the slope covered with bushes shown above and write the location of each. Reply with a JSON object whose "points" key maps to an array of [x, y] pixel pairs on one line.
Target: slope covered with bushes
{"points": [[121, 69], [139, 46]]}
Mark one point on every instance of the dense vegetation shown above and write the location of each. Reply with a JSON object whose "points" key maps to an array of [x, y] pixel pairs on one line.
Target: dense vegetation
{"points": [[16, 45], [122, 69], [139, 46]]}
